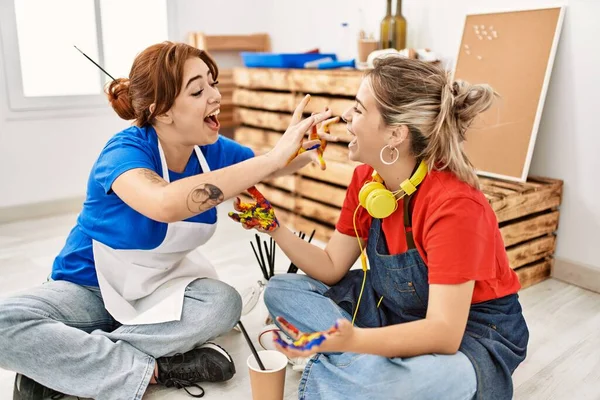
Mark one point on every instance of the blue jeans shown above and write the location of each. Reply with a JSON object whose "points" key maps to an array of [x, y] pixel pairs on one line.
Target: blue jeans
{"points": [[300, 300], [60, 335]]}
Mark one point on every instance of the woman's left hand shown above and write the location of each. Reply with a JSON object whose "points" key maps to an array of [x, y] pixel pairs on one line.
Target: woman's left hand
{"points": [[340, 338], [259, 215]]}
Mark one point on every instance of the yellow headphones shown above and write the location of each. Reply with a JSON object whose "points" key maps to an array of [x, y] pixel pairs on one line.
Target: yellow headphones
{"points": [[381, 202]]}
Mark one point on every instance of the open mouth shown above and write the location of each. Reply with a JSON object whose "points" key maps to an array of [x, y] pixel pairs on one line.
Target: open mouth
{"points": [[212, 121]]}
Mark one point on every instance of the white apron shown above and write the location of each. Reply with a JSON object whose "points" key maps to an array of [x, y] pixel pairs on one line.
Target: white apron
{"points": [[147, 286]]}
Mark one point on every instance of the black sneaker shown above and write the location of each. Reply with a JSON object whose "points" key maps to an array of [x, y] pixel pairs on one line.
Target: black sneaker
{"points": [[28, 389], [207, 363]]}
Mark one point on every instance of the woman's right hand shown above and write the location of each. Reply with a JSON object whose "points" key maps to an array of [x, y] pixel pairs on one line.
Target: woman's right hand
{"points": [[287, 147]]}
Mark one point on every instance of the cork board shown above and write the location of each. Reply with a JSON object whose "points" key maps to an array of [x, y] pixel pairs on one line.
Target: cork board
{"points": [[513, 52]]}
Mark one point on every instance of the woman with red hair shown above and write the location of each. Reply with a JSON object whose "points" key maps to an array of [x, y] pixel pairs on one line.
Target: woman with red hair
{"points": [[130, 302]]}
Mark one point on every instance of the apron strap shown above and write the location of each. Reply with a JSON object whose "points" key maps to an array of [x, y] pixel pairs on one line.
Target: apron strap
{"points": [[165, 168], [202, 160], [410, 242]]}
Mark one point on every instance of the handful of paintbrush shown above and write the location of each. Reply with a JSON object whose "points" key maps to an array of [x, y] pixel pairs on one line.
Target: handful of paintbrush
{"points": [[293, 269], [267, 264], [267, 268]]}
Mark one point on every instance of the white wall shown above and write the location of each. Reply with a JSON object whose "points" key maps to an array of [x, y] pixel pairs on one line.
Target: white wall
{"points": [[44, 157], [223, 18], [50, 157], [569, 135]]}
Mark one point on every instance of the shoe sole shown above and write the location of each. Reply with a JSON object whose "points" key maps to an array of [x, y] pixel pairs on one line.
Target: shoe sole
{"points": [[216, 347]]}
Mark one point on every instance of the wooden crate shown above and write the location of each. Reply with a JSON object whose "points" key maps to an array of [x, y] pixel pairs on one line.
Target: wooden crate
{"points": [[327, 82], [226, 87], [311, 199]]}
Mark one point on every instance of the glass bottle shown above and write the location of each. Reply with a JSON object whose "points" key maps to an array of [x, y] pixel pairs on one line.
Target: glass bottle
{"points": [[398, 28], [386, 28]]}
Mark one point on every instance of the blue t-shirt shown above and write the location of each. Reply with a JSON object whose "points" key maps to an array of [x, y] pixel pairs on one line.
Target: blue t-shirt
{"points": [[108, 220]]}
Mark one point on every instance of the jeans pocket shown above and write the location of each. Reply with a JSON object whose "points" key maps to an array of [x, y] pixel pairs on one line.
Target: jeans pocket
{"points": [[407, 296], [340, 360], [403, 283], [401, 286]]}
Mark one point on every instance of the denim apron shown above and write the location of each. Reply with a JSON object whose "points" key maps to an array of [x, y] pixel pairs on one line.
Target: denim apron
{"points": [[496, 335]]}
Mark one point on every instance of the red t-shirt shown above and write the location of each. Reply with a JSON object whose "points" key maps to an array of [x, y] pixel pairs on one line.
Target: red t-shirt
{"points": [[454, 228]]}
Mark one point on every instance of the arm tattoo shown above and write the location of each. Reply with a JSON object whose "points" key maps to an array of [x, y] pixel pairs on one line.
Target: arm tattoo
{"points": [[204, 197], [151, 176]]}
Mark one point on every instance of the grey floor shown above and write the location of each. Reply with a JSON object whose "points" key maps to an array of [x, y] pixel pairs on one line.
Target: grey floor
{"points": [[564, 321]]}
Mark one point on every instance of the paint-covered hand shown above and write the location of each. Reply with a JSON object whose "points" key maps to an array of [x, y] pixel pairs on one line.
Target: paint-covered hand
{"points": [[292, 139], [259, 215], [320, 133], [338, 338]]}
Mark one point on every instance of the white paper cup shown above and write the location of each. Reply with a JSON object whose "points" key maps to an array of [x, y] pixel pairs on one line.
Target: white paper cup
{"points": [[268, 384]]}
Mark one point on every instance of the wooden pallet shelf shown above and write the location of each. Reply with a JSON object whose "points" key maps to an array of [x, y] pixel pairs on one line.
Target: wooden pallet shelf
{"points": [[277, 121], [264, 100], [331, 82], [281, 101], [226, 88]]}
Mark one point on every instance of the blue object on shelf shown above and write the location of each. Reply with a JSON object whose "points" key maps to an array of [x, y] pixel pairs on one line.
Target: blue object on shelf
{"points": [[280, 60], [337, 64]]}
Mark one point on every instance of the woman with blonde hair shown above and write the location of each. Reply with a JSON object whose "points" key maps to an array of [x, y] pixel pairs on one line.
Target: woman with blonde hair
{"points": [[437, 315]]}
